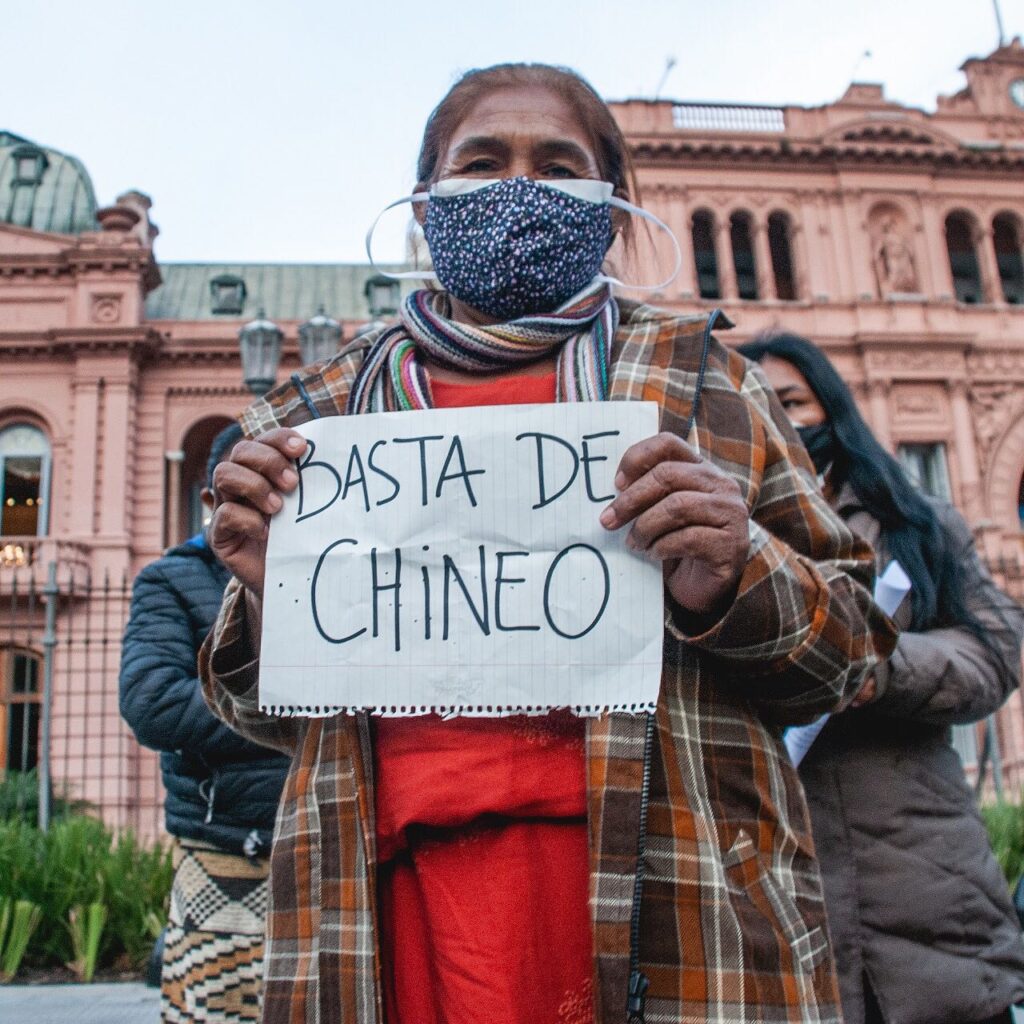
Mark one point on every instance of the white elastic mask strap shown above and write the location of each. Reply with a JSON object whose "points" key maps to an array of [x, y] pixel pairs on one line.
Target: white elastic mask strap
{"points": [[405, 275], [630, 208]]}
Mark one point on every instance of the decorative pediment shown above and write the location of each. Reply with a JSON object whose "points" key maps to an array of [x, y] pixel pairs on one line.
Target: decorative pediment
{"points": [[890, 132]]}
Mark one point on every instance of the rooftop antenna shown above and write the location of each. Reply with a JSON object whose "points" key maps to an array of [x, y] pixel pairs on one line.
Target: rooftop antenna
{"points": [[670, 63], [999, 23], [866, 55]]}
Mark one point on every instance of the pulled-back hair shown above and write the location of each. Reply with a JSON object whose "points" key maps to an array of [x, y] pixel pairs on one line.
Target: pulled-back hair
{"points": [[614, 162], [911, 530]]}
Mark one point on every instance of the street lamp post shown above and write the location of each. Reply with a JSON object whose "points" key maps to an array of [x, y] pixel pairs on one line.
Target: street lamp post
{"points": [[260, 344], [319, 338]]}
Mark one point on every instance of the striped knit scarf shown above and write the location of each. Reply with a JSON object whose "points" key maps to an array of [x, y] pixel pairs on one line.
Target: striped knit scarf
{"points": [[393, 376]]}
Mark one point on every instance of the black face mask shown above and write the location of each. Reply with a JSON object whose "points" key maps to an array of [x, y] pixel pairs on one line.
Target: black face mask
{"points": [[820, 443]]}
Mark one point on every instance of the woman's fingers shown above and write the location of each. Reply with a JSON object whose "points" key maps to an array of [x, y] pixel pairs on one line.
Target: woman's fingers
{"points": [[234, 525], [247, 490], [258, 470], [677, 512], [642, 457], [660, 481]]}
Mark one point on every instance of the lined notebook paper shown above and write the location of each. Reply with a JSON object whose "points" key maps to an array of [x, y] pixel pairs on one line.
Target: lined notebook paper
{"points": [[452, 560]]}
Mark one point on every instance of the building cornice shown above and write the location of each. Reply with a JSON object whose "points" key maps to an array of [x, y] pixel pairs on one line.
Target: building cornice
{"points": [[106, 253], [656, 151], [72, 341]]}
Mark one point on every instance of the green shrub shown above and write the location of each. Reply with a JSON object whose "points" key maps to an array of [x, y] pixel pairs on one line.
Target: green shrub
{"points": [[86, 927], [1005, 824], [18, 920], [81, 862], [19, 798]]}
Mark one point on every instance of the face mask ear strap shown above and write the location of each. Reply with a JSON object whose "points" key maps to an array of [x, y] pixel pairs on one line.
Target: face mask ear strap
{"points": [[405, 275], [630, 208]]}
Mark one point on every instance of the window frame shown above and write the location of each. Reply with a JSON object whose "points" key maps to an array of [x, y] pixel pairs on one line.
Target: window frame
{"points": [[45, 475], [10, 698], [904, 453]]}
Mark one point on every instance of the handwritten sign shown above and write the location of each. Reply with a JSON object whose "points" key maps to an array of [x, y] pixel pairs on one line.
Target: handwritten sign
{"points": [[452, 561]]}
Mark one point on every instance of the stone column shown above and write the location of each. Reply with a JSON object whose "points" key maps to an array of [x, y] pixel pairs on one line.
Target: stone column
{"points": [[985, 249], [967, 456], [723, 258], [763, 261], [937, 252], [878, 394], [119, 424], [86, 449], [172, 528], [798, 260], [685, 285]]}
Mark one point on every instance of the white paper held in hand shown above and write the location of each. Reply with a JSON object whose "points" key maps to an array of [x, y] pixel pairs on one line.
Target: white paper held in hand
{"points": [[452, 560], [890, 588]]}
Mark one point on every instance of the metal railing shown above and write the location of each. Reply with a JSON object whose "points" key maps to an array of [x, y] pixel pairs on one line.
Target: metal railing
{"points": [[71, 624], [722, 117]]}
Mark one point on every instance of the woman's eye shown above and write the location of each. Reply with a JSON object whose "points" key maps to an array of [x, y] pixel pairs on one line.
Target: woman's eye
{"points": [[480, 164], [560, 171]]}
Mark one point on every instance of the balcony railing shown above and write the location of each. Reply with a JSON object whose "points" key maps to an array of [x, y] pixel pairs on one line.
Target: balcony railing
{"points": [[24, 559], [721, 117]]}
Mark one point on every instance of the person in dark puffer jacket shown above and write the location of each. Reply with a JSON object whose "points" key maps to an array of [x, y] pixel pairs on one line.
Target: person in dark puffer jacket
{"points": [[222, 790]]}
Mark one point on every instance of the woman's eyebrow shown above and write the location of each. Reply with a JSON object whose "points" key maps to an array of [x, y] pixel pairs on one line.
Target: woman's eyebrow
{"points": [[478, 144], [562, 149]]}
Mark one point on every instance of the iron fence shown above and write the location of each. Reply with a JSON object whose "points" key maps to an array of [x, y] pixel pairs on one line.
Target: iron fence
{"points": [[60, 641], [62, 645]]}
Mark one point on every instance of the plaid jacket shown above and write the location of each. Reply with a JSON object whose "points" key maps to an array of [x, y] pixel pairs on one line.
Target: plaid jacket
{"points": [[732, 925]]}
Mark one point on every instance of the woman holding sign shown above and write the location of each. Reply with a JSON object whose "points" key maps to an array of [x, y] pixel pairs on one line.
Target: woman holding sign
{"points": [[553, 867], [918, 909]]}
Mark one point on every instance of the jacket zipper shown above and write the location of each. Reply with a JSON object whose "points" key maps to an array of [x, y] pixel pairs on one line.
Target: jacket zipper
{"points": [[636, 997]]}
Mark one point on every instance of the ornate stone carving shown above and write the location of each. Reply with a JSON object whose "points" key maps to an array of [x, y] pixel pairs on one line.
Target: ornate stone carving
{"points": [[106, 309], [920, 403], [998, 363], [907, 361], [995, 406], [893, 258]]}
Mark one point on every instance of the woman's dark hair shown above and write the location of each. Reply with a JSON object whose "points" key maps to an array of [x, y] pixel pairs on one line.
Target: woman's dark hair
{"points": [[609, 144], [910, 527]]}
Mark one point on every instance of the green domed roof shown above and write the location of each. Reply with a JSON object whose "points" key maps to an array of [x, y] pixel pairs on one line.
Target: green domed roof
{"points": [[43, 189]]}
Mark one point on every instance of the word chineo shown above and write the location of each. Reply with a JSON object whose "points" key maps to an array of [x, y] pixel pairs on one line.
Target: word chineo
{"points": [[441, 461]]}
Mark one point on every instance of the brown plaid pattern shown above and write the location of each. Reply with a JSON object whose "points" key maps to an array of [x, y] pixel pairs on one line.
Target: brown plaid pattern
{"points": [[733, 924]]}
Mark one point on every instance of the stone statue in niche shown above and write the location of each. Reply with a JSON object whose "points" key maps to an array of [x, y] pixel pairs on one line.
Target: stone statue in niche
{"points": [[894, 261]]}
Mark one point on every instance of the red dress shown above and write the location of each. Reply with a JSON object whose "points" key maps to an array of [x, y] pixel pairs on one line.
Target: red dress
{"points": [[482, 844]]}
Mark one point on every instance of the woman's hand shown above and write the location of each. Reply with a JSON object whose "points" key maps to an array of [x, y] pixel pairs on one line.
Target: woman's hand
{"points": [[688, 514], [247, 490], [865, 694]]}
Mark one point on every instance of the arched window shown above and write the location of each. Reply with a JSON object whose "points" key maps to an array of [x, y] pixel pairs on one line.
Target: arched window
{"points": [[963, 258], [1006, 237], [196, 449], [780, 245], [703, 232], [24, 481], [21, 678], [742, 241]]}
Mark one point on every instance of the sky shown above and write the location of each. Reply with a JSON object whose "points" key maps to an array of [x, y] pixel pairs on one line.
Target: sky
{"points": [[276, 131]]}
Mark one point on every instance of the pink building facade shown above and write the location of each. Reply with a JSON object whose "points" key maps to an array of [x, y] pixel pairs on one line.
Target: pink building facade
{"points": [[891, 236]]}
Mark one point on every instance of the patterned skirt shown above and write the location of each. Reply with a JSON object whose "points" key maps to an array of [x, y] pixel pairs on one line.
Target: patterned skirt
{"points": [[213, 947]]}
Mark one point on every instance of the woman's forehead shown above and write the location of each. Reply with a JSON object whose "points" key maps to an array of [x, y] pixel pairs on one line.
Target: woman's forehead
{"points": [[532, 112], [783, 374]]}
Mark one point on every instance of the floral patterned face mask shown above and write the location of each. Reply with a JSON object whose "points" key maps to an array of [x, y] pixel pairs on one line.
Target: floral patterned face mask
{"points": [[510, 247], [515, 246]]}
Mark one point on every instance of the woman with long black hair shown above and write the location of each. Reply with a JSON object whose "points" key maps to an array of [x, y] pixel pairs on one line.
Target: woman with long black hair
{"points": [[920, 915]]}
